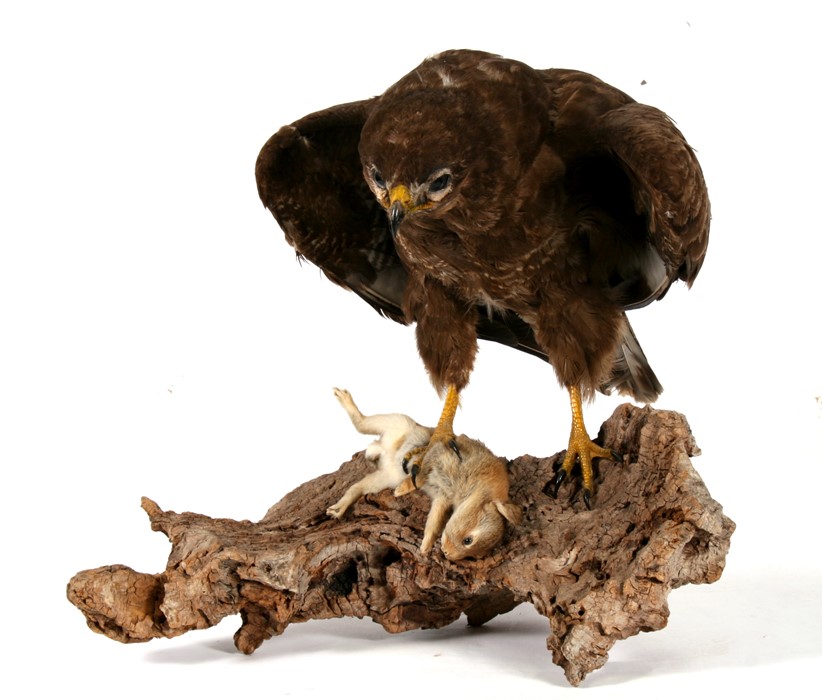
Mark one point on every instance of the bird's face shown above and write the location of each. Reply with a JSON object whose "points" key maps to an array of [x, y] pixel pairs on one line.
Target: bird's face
{"points": [[400, 198], [418, 151]]}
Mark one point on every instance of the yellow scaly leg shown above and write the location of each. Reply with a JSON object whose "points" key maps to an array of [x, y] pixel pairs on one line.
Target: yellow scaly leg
{"points": [[580, 447], [443, 432]]}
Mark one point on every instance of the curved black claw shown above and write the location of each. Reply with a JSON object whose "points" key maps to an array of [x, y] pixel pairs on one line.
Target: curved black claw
{"points": [[405, 464], [555, 483], [617, 457], [452, 443], [586, 497], [415, 470]]}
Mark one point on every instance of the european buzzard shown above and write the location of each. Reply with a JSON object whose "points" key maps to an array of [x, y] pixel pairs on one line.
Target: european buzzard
{"points": [[481, 198]]}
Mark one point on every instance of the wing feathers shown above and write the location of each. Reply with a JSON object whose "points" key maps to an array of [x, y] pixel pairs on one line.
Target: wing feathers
{"points": [[309, 176], [667, 183]]}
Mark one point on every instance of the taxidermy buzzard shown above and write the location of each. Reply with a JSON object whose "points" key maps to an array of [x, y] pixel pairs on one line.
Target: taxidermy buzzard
{"points": [[480, 198]]}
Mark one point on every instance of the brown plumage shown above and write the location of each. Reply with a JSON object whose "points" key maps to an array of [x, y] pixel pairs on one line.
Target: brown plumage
{"points": [[479, 197]]}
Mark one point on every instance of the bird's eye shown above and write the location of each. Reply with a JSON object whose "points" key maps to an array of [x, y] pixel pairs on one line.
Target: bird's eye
{"points": [[440, 183], [467, 541], [376, 176]]}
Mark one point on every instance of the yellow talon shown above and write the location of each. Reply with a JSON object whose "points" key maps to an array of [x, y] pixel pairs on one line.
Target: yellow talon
{"points": [[580, 447]]}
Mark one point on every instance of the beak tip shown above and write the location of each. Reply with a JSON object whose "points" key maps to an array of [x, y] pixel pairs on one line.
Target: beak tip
{"points": [[396, 213]]}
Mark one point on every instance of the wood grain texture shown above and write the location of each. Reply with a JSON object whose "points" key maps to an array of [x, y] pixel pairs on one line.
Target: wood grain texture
{"points": [[597, 576]]}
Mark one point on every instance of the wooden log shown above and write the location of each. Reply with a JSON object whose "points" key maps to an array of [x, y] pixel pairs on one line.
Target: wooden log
{"points": [[598, 575]]}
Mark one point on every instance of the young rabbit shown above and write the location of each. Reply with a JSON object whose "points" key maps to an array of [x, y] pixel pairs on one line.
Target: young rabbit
{"points": [[473, 487], [398, 434]]}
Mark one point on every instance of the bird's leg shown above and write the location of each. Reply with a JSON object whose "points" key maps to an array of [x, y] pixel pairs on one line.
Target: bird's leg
{"points": [[580, 447], [444, 432]]}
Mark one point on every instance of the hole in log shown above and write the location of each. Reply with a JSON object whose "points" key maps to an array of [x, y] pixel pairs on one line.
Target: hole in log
{"points": [[695, 547], [342, 582], [389, 556]]}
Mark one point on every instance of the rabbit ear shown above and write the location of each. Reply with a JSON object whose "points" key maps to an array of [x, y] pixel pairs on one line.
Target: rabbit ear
{"points": [[511, 512]]}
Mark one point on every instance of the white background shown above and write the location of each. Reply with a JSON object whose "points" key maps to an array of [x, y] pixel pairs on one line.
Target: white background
{"points": [[158, 338]]}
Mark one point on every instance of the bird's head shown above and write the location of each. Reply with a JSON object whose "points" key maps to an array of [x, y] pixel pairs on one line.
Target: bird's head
{"points": [[419, 152]]}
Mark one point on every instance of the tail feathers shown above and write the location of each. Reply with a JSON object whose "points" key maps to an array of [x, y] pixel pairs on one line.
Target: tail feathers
{"points": [[632, 374], [507, 328]]}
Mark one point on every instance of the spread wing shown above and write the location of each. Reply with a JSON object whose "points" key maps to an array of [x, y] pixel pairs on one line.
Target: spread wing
{"points": [[668, 190], [630, 160], [310, 177]]}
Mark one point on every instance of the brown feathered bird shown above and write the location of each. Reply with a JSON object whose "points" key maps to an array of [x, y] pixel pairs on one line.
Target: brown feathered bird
{"points": [[481, 198]]}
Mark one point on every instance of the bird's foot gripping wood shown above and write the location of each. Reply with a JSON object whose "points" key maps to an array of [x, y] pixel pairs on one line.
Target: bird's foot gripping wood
{"points": [[581, 449], [444, 433]]}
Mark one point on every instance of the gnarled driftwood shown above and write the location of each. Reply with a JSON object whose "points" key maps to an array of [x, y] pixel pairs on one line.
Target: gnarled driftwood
{"points": [[598, 576]]}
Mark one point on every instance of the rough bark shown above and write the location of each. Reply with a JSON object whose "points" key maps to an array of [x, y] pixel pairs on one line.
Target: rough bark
{"points": [[598, 576]]}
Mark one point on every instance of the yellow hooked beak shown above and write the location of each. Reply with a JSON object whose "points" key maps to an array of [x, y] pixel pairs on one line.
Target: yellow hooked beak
{"points": [[399, 202]]}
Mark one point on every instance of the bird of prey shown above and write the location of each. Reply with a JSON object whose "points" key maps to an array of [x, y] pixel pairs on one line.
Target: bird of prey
{"points": [[481, 198]]}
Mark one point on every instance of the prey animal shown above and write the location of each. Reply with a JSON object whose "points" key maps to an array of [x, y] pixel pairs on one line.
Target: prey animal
{"points": [[468, 487], [398, 435], [469, 491]]}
